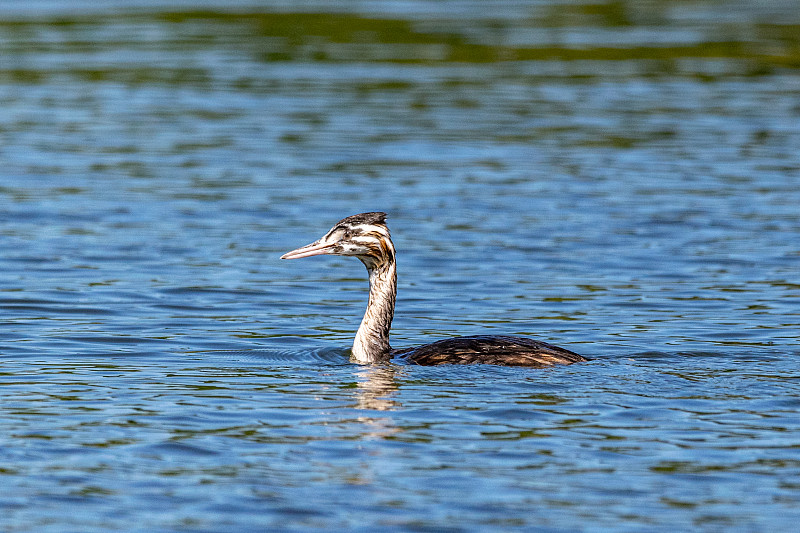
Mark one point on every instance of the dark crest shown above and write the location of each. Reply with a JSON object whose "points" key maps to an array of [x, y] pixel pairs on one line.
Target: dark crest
{"points": [[375, 217]]}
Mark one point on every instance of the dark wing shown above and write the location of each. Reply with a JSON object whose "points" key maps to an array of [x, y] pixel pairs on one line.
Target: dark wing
{"points": [[489, 349]]}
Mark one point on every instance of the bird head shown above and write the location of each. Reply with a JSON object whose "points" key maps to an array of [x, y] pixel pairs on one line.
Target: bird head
{"points": [[364, 236]]}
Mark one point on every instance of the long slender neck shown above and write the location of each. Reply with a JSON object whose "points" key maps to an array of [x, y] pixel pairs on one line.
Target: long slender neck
{"points": [[372, 340]]}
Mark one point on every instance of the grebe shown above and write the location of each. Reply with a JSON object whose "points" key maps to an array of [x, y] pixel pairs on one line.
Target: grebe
{"points": [[366, 237]]}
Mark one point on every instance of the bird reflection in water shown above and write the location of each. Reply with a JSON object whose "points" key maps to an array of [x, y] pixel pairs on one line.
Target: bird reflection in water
{"points": [[376, 387]]}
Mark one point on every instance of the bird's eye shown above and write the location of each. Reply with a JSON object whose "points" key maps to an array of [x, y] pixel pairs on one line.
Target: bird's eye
{"points": [[337, 234]]}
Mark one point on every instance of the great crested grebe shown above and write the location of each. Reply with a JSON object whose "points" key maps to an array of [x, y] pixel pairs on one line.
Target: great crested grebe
{"points": [[366, 237]]}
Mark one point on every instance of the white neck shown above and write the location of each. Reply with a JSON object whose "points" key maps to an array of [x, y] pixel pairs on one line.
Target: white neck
{"points": [[372, 340]]}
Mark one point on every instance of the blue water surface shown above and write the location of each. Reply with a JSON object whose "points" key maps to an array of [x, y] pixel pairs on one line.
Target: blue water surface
{"points": [[619, 179]]}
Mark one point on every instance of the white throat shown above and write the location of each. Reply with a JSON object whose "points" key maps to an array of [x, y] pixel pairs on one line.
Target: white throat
{"points": [[372, 340]]}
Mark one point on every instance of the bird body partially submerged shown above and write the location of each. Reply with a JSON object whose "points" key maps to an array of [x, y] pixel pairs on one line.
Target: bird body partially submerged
{"points": [[489, 349], [367, 237]]}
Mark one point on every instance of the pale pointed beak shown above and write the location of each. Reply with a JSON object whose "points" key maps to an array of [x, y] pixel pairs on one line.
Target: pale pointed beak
{"points": [[315, 248]]}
